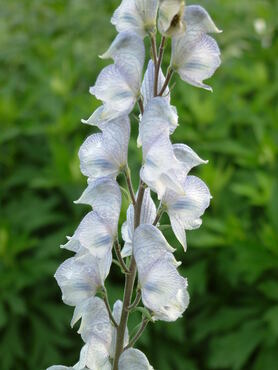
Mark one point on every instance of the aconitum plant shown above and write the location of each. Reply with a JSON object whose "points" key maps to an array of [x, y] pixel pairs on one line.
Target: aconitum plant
{"points": [[153, 285]]}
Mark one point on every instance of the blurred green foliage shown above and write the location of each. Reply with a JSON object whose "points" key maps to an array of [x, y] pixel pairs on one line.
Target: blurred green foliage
{"points": [[48, 59]]}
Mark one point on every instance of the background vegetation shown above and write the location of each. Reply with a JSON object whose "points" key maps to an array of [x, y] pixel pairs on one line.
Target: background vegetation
{"points": [[48, 60]]}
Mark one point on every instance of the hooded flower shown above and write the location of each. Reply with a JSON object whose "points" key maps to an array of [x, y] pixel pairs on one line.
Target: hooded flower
{"points": [[170, 19], [195, 55], [136, 15], [148, 214], [98, 229], [80, 277], [105, 154], [118, 85], [185, 210], [164, 291]]}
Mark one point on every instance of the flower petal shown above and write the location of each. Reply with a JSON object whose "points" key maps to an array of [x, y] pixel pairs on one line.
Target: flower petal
{"points": [[133, 359], [113, 89], [197, 19], [185, 210], [148, 214], [136, 15], [128, 53], [170, 20], [161, 169], [104, 195], [159, 117], [105, 154], [164, 291], [94, 234], [79, 277], [195, 57], [187, 156]]}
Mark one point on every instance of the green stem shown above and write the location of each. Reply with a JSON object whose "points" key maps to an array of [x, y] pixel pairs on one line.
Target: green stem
{"points": [[129, 284], [138, 334], [158, 65], [105, 298], [136, 300], [119, 257], [167, 80]]}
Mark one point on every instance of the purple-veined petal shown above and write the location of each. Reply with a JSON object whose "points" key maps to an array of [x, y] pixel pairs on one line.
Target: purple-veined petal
{"points": [[80, 277], [148, 214], [105, 154], [195, 56], [104, 195], [185, 211], [128, 53], [136, 15], [94, 234], [164, 291], [197, 19], [133, 359]]}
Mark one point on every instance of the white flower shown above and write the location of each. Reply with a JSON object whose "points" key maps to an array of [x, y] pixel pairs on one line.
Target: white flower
{"points": [[164, 291], [133, 359], [148, 214], [98, 229], [170, 20], [136, 15], [80, 277], [185, 210], [104, 196], [105, 154], [147, 89], [159, 117], [118, 85], [195, 55], [99, 337]]}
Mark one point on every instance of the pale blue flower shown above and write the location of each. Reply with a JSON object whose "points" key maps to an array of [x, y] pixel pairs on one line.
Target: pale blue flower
{"points": [[164, 291]]}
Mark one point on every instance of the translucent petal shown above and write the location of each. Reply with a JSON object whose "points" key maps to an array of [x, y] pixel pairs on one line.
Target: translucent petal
{"points": [[113, 89], [94, 160], [117, 311], [133, 359], [159, 117], [147, 89], [164, 291], [148, 238], [101, 116], [197, 19], [128, 53], [161, 169], [187, 156], [104, 195], [94, 234], [170, 20], [80, 277], [136, 15], [105, 154], [195, 57], [185, 211], [148, 214], [94, 355]]}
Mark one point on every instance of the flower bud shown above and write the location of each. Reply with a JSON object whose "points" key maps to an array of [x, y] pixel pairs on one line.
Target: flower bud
{"points": [[171, 17]]}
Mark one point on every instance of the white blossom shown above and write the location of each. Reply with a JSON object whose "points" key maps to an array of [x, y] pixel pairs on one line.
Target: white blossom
{"points": [[105, 154], [81, 276], [136, 15], [164, 291], [170, 20], [147, 216], [185, 210], [195, 55], [133, 359], [118, 85]]}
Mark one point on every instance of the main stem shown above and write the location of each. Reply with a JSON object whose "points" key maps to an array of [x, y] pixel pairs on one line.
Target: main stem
{"points": [[129, 284]]}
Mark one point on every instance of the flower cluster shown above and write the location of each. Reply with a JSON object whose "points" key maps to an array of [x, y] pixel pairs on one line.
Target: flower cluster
{"points": [[146, 254]]}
